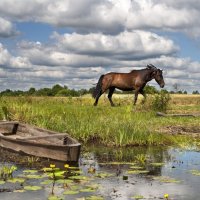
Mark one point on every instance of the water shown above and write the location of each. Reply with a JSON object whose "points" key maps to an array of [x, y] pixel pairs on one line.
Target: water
{"points": [[162, 171]]}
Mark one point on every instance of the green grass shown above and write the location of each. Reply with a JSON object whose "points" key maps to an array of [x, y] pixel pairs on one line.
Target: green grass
{"points": [[123, 125]]}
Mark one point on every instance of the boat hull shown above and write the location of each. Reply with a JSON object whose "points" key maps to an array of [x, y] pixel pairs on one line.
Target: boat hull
{"points": [[37, 147]]}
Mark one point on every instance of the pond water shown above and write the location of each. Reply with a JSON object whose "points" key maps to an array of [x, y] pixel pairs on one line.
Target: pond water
{"points": [[107, 173]]}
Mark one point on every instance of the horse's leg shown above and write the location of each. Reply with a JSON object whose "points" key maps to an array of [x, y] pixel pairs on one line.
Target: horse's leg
{"points": [[136, 96], [144, 95], [97, 98], [111, 91]]}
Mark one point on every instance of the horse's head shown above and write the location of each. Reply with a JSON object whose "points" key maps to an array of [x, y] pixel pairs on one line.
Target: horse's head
{"points": [[157, 75]]}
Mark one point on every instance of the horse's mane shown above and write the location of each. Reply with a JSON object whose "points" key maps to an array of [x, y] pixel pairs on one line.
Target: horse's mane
{"points": [[149, 67]]}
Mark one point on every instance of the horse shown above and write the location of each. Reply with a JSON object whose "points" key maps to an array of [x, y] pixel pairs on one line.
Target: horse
{"points": [[134, 80]]}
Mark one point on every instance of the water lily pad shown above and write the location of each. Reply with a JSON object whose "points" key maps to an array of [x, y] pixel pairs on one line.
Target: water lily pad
{"points": [[19, 191], [136, 167], [137, 197], [103, 175], [31, 171], [117, 163], [32, 188], [93, 186], [52, 197], [79, 177], [94, 198], [70, 192], [48, 169], [46, 182], [88, 190], [33, 176], [2, 182], [195, 172], [164, 179], [64, 181], [15, 180], [73, 168], [158, 164], [137, 171]]}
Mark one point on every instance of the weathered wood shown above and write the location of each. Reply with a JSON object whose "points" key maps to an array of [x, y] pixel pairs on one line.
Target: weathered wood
{"points": [[38, 142], [44, 136], [161, 114]]}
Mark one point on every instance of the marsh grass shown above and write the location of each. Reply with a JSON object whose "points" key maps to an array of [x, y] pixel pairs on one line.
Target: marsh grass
{"points": [[123, 125]]}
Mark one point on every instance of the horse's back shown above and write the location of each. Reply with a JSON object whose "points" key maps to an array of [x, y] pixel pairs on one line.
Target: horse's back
{"points": [[123, 81]]}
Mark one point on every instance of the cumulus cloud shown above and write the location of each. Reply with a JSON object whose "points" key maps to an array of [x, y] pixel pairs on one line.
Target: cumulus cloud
{"points": [[107, 35], [107, 16], [9, 61], [126, 45], [7, 29]]}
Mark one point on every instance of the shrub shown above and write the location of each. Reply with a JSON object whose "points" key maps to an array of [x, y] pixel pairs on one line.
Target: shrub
{"points": [[160, 102]]}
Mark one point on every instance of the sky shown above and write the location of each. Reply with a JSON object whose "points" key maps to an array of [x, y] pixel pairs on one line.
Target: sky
{"points": [[73, 42]]}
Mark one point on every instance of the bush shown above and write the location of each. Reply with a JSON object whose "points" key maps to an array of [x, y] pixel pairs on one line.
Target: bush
{"points": [[160, 102]]}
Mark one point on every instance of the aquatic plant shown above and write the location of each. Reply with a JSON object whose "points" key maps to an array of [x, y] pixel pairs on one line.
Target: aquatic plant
{"points": [[7, 171], [141, 159]]}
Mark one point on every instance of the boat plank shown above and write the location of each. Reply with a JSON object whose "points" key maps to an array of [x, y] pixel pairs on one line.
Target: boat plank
{"points": [[43, 137]]}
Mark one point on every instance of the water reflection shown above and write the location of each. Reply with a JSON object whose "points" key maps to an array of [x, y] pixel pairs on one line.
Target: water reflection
{"points": [[121, 174]]}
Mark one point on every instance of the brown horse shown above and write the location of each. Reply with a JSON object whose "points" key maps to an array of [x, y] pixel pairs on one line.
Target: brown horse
{"points": [[134, 80]]}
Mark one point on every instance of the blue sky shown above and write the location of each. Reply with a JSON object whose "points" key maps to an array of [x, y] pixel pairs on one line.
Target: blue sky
{"points": [[73, 42]]}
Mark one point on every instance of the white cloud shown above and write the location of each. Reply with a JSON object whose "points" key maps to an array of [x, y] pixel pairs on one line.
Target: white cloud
{"points": [[107, 16], [126, 45], [7, 29], [108, 35]]}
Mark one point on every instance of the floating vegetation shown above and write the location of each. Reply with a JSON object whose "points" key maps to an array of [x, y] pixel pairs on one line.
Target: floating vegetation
{"points": [[137, 171], [46, 182], [32, 188], [70, 192], [53, 197], [165, 179], [19, 191], [136, 167], [94, 198], [34, 176], [137, 197], [6, 172], [157, 164], [103, 175], [64, 181], [195, 172], [117, 163], [31, 171], [85, 178], [141, 159], [15, 180], [88, 190], [2, 182]]}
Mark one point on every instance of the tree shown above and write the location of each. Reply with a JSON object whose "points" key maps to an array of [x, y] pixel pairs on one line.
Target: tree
{"points": [[55, 89], [44, 92], [195, 92], [31, 91]]}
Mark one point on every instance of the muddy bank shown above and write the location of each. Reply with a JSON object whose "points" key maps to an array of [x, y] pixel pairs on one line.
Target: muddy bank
{"points": [[193, 131]]}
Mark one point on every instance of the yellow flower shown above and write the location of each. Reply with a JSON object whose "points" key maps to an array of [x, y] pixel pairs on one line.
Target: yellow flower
{"points": [[66, 166], [166, 196], [52, 165]]}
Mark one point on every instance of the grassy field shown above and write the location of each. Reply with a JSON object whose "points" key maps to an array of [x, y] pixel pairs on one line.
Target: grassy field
{"points": [[123, 125]]}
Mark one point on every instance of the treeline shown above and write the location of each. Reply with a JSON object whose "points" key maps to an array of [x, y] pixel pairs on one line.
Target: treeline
{"points": [[56, 90], [64, 91]]}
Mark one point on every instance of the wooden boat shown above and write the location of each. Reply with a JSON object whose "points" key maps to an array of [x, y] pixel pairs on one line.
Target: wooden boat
{"points": [[38, 142]]}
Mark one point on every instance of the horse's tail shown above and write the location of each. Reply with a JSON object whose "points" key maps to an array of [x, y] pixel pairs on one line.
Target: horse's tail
{"points": [[98, 88]]}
